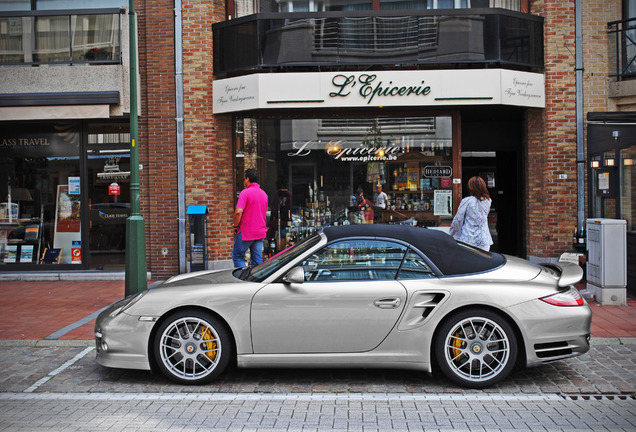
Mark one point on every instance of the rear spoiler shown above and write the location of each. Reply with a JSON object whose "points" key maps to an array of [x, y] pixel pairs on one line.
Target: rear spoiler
{"points": [[569, 273]]}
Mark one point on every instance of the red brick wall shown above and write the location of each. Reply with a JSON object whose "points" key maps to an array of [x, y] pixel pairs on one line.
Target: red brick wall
{"points": [[551, 139], [208, 138], [157, 135]]}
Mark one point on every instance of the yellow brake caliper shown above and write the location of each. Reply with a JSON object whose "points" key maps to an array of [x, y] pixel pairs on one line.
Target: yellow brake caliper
{"points": [[209, 342], [457, 343]]}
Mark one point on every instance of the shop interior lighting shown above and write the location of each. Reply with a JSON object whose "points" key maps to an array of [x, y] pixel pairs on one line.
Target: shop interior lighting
{"points": [[594, 164], [628, 162], [609, 162]]}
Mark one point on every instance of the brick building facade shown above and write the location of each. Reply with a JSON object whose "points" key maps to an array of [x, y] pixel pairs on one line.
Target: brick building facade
{"points": [[550, 191]]}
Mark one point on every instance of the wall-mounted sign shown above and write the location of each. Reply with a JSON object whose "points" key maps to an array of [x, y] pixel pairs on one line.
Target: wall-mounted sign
{"points": [[438, 171], [379, 88]]}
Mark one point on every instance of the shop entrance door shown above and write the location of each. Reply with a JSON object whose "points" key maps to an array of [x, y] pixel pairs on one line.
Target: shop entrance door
{"points": [[499, 169], [109, 195]]}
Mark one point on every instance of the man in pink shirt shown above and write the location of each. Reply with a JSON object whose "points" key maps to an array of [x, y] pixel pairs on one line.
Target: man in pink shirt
{"points": [[250, 221]]}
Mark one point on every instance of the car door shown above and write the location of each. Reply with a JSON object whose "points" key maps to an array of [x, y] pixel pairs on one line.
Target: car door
{"points": [[349, 302]]}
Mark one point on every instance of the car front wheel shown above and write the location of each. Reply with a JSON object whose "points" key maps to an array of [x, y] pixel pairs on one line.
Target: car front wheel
{"points": [[476, 348], [192, 347]]}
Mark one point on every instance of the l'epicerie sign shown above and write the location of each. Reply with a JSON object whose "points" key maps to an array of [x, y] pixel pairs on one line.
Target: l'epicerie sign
{"points": [[375, 89]]}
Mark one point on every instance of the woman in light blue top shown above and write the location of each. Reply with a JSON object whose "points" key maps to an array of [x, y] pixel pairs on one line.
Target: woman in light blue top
{"points": [[470, 224]]}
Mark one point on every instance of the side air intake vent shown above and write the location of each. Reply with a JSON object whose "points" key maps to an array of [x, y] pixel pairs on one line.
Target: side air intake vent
{"points": [[420, 308], [553, 349]]}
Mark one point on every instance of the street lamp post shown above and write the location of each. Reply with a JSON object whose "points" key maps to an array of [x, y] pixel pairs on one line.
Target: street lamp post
{"points": [[136, 279]]}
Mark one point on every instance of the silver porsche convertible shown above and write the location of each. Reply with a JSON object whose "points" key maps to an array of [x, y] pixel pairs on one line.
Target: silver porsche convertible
{"points": [[366, 296]]}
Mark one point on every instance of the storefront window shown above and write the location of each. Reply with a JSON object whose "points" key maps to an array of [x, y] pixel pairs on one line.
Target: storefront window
{"points": [[40, 205], [318, 171], [108, 151]]}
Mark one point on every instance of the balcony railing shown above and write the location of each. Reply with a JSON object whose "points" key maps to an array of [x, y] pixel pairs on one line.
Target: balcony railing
{"points": [[269, 41], [622, 48], [60, 37]]}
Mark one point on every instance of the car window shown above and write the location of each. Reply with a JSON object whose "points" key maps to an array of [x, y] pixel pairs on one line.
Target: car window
{"points": [[360, 259], [415, 267], [269, 267]]}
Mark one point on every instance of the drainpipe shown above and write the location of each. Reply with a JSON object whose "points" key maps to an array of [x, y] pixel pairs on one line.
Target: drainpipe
{"points": [[580, 149], [178, 61]]}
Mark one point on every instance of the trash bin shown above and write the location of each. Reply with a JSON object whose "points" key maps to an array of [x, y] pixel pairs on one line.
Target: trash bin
{"points": [[197, 215]]}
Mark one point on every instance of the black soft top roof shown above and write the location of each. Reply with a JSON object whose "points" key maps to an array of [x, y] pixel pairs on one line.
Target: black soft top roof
{"points": [[450, 257]]}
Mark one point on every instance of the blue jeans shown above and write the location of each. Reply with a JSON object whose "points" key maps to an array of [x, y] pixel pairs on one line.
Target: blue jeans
{"points": [[241, 247]]}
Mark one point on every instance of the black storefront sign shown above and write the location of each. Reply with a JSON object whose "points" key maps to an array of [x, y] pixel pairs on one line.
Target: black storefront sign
{"points": [[438, 171]]}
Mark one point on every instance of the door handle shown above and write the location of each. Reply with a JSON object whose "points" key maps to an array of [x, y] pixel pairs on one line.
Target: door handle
{"points": [[387, 303]]}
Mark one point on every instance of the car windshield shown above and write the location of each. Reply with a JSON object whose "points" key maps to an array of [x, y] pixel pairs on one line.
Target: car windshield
{"points": [[267, 268]]}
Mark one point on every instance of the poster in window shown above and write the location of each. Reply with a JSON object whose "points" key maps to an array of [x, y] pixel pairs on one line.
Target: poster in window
{"points": [[11, 253], [26, 253], [67, 222], [443, 203], [603, 181], [74, 185]]}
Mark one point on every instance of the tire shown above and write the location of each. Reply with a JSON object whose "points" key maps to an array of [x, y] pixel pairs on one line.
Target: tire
{"points": [[192, 347], [476, 348]]}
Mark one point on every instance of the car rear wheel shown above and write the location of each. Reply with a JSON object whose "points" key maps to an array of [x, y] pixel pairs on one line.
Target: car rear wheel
{"points": [[476, 348], [192, 347]]}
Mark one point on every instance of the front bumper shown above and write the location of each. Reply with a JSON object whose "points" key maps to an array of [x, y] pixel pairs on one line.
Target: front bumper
{"points": [[122, 340]]}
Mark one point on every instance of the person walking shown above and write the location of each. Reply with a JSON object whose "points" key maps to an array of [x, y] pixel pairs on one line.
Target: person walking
{"points": [[470, 224], [250, 221]]}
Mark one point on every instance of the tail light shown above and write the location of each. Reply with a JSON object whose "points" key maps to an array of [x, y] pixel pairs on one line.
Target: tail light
{"points": [[571, 297]]}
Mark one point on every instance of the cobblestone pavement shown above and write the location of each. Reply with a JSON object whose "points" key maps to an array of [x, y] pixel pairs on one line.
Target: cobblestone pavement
{"points": [[61, 387], [608, 368]]}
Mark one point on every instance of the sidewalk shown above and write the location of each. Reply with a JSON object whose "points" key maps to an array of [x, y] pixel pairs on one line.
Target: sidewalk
{"points": [[67, 310]]}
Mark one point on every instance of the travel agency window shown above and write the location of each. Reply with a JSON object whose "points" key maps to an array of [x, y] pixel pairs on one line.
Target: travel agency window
{"points": [[40, 205], [317, 171]]}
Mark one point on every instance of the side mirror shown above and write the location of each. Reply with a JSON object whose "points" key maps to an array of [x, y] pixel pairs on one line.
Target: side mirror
{"points": [[295, 276]]}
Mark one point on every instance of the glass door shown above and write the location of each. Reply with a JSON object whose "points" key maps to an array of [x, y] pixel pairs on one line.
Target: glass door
{"points": [[108, 194]]}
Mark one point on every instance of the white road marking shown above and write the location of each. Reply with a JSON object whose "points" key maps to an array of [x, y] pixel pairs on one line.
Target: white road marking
{"points": [[52, 374]]}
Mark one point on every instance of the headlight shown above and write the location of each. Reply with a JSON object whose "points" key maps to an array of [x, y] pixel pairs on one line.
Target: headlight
{"points": [[127, 303], [571, 297]]}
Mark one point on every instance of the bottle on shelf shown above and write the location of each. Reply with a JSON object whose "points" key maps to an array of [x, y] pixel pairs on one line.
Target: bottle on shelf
{"points": [[575, 235]]}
